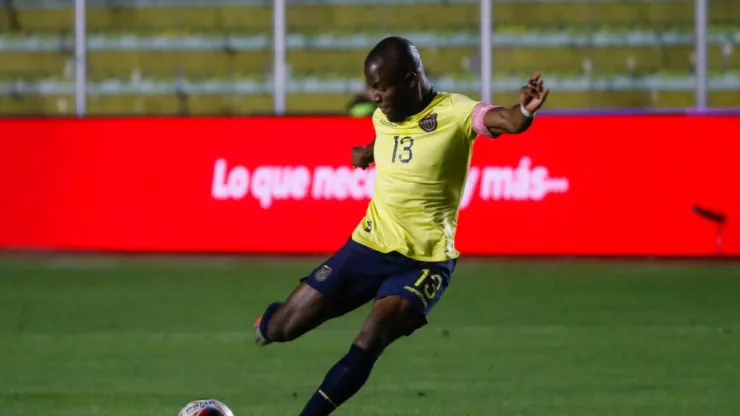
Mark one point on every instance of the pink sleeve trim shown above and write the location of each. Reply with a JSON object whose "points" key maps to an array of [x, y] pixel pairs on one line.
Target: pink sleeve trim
{"points": [[479, 111]]}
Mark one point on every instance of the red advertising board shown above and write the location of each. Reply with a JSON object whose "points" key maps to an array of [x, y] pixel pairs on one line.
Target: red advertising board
{"points": [[570, 186]]}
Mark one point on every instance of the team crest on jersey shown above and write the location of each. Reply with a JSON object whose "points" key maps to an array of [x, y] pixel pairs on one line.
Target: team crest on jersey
{"points": [[429, 123], [322, 273]]}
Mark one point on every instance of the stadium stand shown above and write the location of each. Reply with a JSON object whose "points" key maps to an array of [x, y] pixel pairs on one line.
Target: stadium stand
{"points": [[184, 57]]}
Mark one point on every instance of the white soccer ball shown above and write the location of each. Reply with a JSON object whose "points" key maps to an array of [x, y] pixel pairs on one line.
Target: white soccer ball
{"points": [[205, 407]]}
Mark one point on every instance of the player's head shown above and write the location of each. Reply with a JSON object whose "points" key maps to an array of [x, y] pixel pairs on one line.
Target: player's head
{"points": [[395, 76]]}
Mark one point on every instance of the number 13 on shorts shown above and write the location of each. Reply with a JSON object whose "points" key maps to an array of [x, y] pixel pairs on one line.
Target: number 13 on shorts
{"points": [[426, 287]]}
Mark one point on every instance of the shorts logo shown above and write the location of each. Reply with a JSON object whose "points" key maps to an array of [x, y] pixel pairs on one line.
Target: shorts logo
{"points": [[429, 123], [368, 226], [421, 297], [322, 273]]}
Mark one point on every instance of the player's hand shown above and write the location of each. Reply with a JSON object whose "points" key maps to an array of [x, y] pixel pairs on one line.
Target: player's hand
{"points": [[534, 94], [362, 157]]}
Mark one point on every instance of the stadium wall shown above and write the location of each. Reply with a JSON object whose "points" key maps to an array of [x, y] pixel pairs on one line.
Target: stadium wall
{"points": [[572, 185]]}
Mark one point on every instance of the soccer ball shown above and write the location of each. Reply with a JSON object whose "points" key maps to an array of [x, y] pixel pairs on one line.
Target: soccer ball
{"points": [[205, 407]]}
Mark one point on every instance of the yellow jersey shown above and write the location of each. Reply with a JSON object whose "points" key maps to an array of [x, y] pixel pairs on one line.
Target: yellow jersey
{"points": [[421, 167]]}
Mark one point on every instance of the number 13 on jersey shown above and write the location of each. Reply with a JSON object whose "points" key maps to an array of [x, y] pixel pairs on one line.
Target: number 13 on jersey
{"points": [[402, 149]]}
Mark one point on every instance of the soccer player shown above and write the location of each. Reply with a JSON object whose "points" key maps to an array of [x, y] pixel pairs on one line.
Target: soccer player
{"points": [[402, 254]]}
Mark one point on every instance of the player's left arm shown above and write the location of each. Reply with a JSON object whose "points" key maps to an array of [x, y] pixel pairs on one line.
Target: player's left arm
{"points": [[515, 119]]}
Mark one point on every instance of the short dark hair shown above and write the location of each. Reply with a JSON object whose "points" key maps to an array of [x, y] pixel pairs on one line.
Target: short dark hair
{"points": [[398, 50]]}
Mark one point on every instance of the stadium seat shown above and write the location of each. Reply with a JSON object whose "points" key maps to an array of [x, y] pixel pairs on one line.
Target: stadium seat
{"points": [[198, 64], [441, 17], [212, 104], [378, 18], [243, 19], [36, 105], [348, 63], [608, 60], [345, 62], [448, 61], [320, 103], [34, 65]]}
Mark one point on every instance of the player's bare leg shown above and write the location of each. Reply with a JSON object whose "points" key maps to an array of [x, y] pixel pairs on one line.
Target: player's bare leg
{"points": [[389, 319], [303, 310]]}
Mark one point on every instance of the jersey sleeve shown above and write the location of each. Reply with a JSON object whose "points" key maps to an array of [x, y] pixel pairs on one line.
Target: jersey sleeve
{"points": [[472, 113], [463, 107]]}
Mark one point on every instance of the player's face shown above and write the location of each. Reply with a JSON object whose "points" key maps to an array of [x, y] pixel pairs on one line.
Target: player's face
{"points": [[390, 92]]}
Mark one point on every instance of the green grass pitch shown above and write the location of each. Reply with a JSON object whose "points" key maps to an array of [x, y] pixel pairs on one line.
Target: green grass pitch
{"points": [[114, 336]]}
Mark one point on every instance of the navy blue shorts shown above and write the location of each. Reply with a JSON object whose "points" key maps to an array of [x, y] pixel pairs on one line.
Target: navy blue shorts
{"points": [[357, 274]]}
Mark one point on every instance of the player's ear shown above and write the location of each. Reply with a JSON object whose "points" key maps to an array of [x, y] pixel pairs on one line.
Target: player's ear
{"points": [[412, 79]]}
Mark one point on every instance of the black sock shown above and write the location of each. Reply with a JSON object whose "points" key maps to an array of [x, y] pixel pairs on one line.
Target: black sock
{"points": [[266, 318], [341, 382]]}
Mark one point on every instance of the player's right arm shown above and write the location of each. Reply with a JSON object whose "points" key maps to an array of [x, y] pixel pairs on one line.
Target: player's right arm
{"points": [[494, 121], [363, 156]]}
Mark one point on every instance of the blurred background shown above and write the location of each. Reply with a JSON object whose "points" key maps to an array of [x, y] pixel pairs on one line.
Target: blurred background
{"points": [[136, 253], [180, 57]]}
